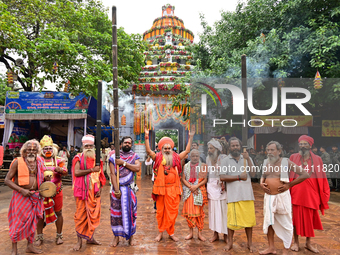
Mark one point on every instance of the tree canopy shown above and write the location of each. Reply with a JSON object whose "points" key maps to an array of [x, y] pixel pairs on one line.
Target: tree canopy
{"points": [[65, 40], [288, 38]]}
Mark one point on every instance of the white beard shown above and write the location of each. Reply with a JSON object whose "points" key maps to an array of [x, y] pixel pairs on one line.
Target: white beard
{"points": [[213, 157], [272, 159], [89, 153], [168, 159], [30, 158]]}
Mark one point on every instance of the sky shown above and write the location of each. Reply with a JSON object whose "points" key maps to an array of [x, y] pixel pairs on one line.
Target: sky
{"points": [[138, 16]]}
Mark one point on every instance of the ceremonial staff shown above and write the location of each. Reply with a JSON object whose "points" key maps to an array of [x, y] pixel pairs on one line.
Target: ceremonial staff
{"points": [[245, 116], [115, 86], [99, 122]]}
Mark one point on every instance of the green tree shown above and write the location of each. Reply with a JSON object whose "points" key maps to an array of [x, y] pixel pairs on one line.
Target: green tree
{"points": [[3, 89], [172, 133], [288, 38], [75, 35]]}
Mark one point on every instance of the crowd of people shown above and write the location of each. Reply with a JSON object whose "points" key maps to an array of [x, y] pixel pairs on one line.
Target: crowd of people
{"points": [[295, 188]]}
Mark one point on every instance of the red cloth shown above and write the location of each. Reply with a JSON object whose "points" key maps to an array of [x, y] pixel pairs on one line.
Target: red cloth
{"points": [[176, 161], [1, 155], [193, 174], [305, 220], [80, 189], [306, 138], [314, 192]]}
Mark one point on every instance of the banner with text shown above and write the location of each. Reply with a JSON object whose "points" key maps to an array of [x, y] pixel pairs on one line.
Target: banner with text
{"points": [[331, 128], [45, 103]]}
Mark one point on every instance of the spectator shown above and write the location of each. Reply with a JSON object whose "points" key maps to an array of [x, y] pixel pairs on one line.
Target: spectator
{"points": [[64, 154], [326, 159], [335, 156], [72, 154], [7, 156], [16, 152]]}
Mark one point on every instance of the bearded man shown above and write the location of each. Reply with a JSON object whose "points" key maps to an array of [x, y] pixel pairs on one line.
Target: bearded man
{"points": [[25, 175], [217, 196], [123, 199], [55, 169], [310, 196], [88, 181], [195, 197], [241, 210], [167, 187], [277, 208]]}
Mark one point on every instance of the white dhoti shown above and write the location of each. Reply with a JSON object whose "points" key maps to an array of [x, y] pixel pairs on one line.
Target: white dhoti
{"points": [[218, 210], [277, 210]]}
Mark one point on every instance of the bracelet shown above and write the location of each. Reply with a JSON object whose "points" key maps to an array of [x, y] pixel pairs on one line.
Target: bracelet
{"points": [[117, 193], [146, 137]]}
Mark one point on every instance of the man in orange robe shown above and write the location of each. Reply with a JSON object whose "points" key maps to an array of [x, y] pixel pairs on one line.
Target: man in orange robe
{"points": [[88, 181], [167, 186], [195, 195]]}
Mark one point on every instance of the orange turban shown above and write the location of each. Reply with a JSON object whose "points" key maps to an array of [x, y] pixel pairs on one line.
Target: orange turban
{"points": [[166, 140], [306, 138]]}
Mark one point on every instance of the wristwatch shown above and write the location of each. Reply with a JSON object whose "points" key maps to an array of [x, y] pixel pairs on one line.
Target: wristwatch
{"points": [[124, 164]]}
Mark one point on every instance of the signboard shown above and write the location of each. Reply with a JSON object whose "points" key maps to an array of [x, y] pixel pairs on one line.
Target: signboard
{"points": [[331, 128], [2, 116], [276, 121], [45, 103]]}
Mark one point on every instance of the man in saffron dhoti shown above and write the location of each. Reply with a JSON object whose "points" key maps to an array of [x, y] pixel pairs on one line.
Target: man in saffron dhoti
{"points": [[241, 210], [55, 169], [277, 206], [310, 196], [217, 195], [194, 178], [123, 200], [25, 175], [88, 181], [167, 187]]}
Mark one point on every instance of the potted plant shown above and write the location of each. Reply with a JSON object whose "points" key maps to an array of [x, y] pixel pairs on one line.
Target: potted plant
{"points": [[162, 66], [168, 66]]}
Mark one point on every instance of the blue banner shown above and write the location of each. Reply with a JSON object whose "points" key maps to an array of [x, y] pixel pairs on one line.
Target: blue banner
{"points": [[45, 103]]}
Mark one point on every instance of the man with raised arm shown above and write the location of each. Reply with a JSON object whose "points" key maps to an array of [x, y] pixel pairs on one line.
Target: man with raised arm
{"points": [[277, 205], [310, 196], [167, 187]]}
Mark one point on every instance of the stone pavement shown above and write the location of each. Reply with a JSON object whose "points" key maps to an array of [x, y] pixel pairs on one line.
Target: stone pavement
{"points": [[327, 241]]}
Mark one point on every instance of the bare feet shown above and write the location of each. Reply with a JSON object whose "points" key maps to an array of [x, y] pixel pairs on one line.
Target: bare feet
{"points": [[31, 249], [159, 237], [200, 237], [225, 238], [115, 241], [250, 248], [38, 242], [268, 251], [59, 240], [77, 247], [308, 246], [229, 246], [93, 241], [132, 242], [214, 237], [295, 247], [188, 237], [173, 237]]}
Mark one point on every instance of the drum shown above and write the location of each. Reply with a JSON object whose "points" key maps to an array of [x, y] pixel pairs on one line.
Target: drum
{"points": [[47, 189]]}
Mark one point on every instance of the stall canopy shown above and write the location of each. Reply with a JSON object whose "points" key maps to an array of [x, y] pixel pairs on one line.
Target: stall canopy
{"points": [[48, 105]]}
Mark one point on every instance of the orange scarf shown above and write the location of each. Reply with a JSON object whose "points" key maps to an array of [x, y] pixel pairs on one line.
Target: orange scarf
{"points": [[23, 173]]}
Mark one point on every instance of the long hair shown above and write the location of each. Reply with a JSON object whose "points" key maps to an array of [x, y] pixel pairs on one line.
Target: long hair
{"points": [[25, 146]]}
